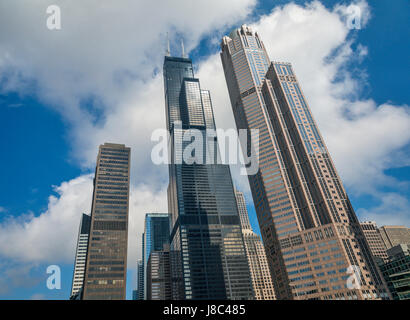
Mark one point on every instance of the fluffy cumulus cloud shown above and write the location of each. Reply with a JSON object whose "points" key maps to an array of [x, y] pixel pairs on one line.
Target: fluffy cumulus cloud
{"points": [[50, 236], [104, 53], [102, 72]]}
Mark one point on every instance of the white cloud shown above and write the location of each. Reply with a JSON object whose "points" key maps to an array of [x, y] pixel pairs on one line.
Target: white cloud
{"points": [[18, 275], [393, 210], [101, 72], [142, 200], [50, 236], [139, 113]]}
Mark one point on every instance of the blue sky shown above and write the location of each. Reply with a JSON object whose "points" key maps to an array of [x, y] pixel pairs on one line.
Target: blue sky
{"points": [[49, 128]]}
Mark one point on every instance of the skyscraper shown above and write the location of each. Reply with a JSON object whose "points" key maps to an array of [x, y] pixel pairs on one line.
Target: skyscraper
{"points": [[374, 239], [395, 235], [310, 231], [156, 235], [159, 275], [255, 252], [106, 266], [141, 272], [396, 271], [140, 284], [208, 259], [80, 254], [138, 293]]}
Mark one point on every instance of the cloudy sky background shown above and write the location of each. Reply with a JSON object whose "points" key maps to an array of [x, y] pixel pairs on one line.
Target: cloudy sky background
{"points": [[99, 79]]}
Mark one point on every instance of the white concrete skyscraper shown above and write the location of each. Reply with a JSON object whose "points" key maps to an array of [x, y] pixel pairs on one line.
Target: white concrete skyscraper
{"points": [[255, 252]]}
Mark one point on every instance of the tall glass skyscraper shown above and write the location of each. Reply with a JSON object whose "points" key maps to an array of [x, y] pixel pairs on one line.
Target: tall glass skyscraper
{"points": [[208, 259], [156, 235], [310, 231], [106, 266]]}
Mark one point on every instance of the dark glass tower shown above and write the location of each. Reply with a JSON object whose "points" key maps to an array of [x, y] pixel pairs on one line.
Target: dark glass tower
{"points": [[208, 259], [106, 266], [156, 235]]}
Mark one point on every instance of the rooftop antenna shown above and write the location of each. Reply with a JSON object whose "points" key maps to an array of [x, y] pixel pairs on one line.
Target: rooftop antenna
{"points": [[183, 49], [168, 52]]}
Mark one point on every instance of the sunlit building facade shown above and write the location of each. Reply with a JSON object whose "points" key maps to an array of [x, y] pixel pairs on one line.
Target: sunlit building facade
{"points": [[375, 241], [156, 235], [309, 229]]}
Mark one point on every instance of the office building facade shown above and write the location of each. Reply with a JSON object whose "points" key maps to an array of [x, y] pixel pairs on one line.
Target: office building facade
{"points": [[208, 258], [156, 235], [255, 252], [80, 255], [106, 266], [375, 241], [159, 275], [395, 235], [140, 281], [309, 229]]}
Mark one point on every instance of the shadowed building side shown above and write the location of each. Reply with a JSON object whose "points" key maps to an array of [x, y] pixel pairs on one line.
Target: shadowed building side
{"points": [[207, 254]]}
